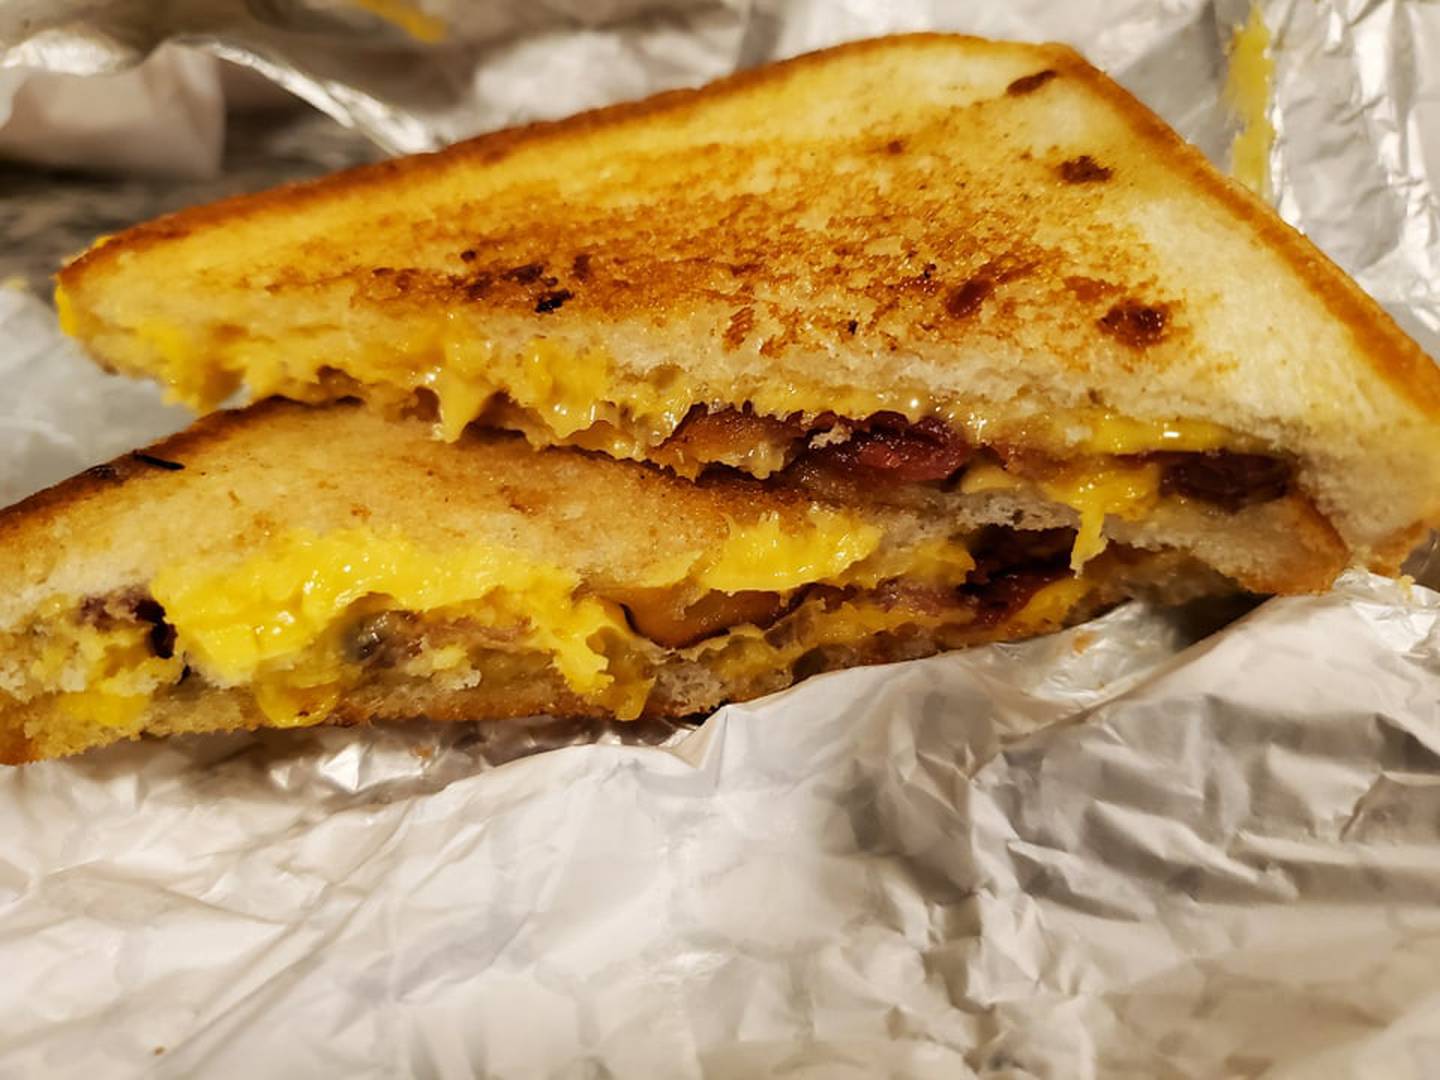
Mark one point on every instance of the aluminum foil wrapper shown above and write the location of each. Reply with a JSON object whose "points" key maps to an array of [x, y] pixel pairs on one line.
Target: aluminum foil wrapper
{"points": [[1137, 848]]}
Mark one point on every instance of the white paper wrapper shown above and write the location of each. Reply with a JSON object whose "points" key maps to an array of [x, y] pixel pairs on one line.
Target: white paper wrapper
{"points": [[1106, 853]]}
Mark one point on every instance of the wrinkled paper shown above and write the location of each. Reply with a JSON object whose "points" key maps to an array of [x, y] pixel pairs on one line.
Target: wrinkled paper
{"points": [[1130, 849]]}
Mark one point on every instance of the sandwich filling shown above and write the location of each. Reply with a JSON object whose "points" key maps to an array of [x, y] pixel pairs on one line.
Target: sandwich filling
{"points": [[311, 619], [817, 437]]}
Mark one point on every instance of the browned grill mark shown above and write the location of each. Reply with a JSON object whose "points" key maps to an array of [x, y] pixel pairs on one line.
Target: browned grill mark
{"points": [[526, 274], [469, 255], [157, 462], [552, 301], [1088, 289], [895, 146], [1084, 170], [965, 300], [742, 321], [580, 266], [479, 286], [1029, 83], [1136, 324]]}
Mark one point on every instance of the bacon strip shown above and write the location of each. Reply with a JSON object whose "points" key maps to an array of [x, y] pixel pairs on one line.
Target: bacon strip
{"points": [[903, 451], [657, 614], [1230, 481], [887, 446]]}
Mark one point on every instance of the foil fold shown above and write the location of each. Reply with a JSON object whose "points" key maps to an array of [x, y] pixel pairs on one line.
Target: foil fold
{"points": [[1145, 846]]}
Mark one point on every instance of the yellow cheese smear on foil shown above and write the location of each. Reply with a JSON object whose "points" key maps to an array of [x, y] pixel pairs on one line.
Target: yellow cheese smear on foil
{"points": [[1247, 90], [408, 17]]}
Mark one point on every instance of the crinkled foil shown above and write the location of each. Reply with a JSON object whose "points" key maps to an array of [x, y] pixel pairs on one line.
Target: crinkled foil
{"points": [[1137, 848]]}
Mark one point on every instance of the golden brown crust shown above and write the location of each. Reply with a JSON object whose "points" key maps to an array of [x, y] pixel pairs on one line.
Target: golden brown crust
{"points": [[488, 148], [1384, 345], [209, 433], [1379, 342]]}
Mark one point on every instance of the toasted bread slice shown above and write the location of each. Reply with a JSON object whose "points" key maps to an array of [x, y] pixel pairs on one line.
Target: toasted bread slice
{"points": [[289, 565], [992, 239]]}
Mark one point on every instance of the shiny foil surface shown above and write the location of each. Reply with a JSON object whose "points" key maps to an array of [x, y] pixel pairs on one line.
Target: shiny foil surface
{"points": [[1143, 847]]}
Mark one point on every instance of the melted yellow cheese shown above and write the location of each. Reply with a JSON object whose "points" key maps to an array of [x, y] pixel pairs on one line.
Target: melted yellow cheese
{"points": [[277, 620], [65, 312], [186, 382], [102, 708], [1113, 434], [283, 621], [1050, 607], [561, 396], [104, 676], [1247, 89], [937, 561], [418, 24], [1124, 490], [768, 557], [274, 620], [566, 391]]}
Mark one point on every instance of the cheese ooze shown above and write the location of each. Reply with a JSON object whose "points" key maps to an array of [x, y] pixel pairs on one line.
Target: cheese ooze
{"points": [[282, 621], [584, 398], [559, 396]]}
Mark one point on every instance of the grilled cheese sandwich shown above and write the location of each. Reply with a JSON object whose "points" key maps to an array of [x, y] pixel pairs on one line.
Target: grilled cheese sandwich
{"points": [[901, 346]]}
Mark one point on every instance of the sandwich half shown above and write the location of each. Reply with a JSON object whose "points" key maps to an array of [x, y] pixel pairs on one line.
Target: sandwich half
{"points": [[289, 565], [927, 270]]}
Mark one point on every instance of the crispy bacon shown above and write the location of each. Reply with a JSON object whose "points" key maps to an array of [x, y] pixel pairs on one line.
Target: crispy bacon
{"points": [[657, 614], [906, 452], [888, 446], [1230, 481], [728, 435], [883, 444]]}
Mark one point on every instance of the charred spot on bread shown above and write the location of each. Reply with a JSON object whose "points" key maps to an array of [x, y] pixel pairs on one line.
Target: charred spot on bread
{"points": [[552, 300], [1028, 84], [965, 300], [106, 473], [1136, 323], [1083, 170], [524, 274]]}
